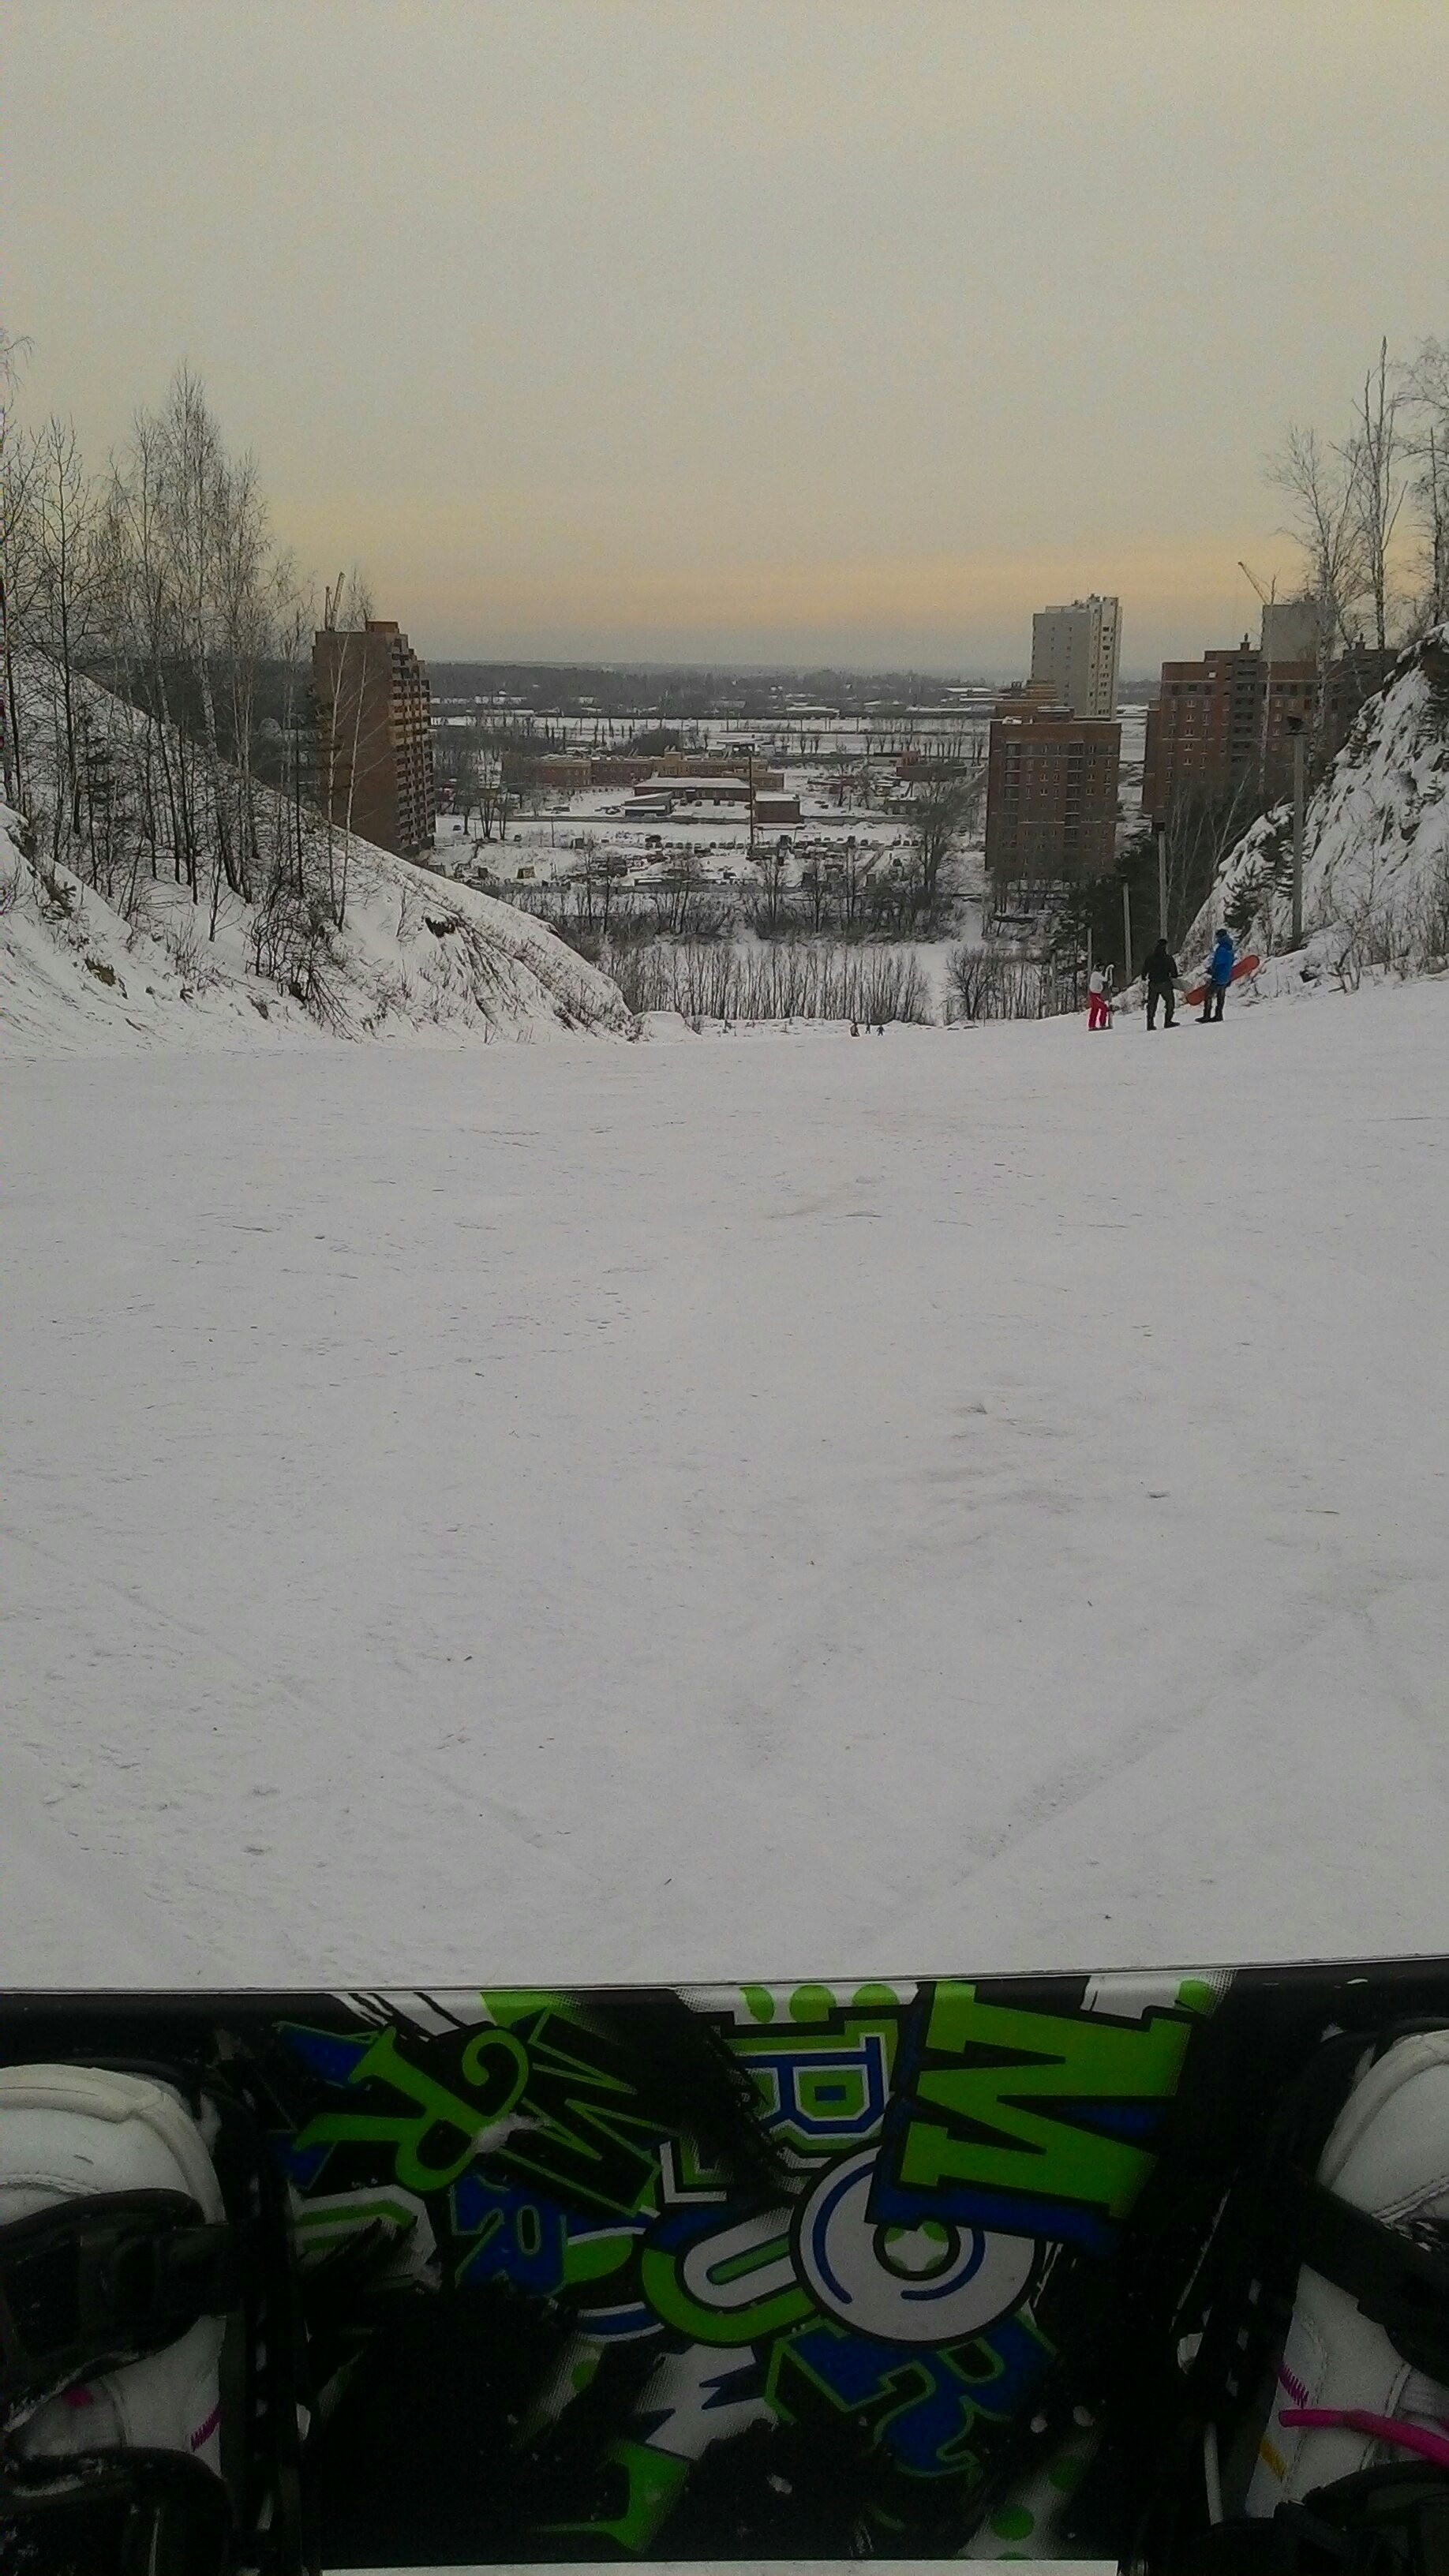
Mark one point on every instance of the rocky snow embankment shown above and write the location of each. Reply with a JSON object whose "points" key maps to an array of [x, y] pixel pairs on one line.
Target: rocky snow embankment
{"points": [[1376, 846]]}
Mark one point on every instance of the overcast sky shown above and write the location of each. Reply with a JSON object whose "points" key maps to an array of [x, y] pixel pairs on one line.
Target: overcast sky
{"points": [[762, 330]]}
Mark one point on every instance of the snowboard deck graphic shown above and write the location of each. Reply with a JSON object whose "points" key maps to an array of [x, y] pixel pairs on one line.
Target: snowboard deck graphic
{"points": [[1197, 994], [808, 2270]]}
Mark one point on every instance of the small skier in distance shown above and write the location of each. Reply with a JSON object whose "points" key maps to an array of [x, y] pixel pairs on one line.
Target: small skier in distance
{"points": [[1161, 971], [1219, 976], [1099, 1014]]}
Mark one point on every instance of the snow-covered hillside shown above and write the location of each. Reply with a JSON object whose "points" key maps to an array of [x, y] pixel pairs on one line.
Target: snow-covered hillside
{"points": [[130, 917], [1376, 843], [418, 959]]}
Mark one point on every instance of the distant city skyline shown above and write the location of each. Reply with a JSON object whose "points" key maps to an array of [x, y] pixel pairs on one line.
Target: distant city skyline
{"points": [[781, 333]]}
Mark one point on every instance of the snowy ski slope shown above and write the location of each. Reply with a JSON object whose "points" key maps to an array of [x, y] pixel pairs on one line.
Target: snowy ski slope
{"points": [[745, 1507]]}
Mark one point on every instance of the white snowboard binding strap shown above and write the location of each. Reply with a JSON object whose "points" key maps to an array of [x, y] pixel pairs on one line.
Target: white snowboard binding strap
{"points": [[119, 2267]]}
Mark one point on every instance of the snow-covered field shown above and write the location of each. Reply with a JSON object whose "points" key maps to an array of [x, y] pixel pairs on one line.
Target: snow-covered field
{"points": [[741, 1507]]}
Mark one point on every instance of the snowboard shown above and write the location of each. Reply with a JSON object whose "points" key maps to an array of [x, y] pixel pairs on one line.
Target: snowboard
{"points": [[812, 2269], [1197, 994]]}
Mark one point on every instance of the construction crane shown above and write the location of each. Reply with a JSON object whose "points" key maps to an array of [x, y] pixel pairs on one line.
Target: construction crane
{"points": [[1267, 596]]}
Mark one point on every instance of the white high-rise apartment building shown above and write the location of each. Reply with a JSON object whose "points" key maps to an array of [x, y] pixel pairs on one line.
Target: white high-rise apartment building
{"points": [[1290, 630], [1074, 654]]}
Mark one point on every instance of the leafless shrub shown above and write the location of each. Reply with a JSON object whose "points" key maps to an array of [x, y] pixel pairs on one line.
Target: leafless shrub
{"points": [[1434, 905], [990, 984], [390, 992], [788, 980], [186, 951], [1403, 939], [56, 897], [293, 945]]}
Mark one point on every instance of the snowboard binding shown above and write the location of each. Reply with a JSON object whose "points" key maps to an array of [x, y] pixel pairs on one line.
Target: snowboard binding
{"points": [[1317, 2335], [149, 2352]]}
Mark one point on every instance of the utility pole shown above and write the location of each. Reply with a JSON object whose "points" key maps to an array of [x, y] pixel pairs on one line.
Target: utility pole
{"points": [[1162, 884], [1296, 726], [1267, 597]]}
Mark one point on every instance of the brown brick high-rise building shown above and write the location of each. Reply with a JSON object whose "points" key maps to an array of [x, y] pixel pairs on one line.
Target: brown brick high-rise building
{"points": [[1226, 724], [374, 735], [1051, 798], [1222, 724]]}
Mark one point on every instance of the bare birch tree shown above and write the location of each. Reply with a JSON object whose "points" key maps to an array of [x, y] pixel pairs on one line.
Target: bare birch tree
{"points": [[347, 606], [1321, 489], [196, 500], [1374, 459], [63, 622], [945, 803], [19, 557], [1426, 387]]}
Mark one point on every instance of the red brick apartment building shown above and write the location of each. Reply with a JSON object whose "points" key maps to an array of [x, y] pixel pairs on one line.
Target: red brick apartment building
{"points": [[1051, 798], [374, 734], [1228, 721]]}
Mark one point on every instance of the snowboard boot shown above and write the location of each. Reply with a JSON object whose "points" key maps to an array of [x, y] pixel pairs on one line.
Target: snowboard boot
{"points": [[1361, 2382], [114, 2287]]}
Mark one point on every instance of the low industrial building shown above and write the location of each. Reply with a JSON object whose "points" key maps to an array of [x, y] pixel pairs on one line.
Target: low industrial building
{"points": [[565, 771], [716, 790]]}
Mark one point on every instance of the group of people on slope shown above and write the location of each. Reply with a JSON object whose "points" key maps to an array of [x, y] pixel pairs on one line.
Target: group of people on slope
{"points": [[1161, 978]]}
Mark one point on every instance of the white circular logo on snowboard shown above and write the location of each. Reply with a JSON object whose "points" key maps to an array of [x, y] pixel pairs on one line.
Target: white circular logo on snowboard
{"points": [[924, 2284]]}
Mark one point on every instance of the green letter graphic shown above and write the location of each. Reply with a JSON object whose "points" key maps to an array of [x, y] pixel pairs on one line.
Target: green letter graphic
{"points": [[993, 2136], [437, 2109]]}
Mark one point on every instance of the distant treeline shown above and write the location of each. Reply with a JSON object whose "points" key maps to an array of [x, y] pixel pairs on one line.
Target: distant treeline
{"points": [[686, 695]]}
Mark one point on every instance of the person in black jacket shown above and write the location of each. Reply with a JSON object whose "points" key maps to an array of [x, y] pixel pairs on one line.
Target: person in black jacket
{"points": [[1161, 983]]}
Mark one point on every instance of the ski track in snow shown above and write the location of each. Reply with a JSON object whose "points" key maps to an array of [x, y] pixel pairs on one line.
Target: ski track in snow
{"points": [[792, 1506]]}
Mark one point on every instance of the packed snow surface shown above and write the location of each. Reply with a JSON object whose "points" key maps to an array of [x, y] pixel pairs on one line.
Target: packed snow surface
{"points": [[752, 1506]]}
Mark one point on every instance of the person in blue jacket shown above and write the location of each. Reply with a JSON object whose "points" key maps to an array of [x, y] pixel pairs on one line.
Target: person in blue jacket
{"points": [[1219, 977]]}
